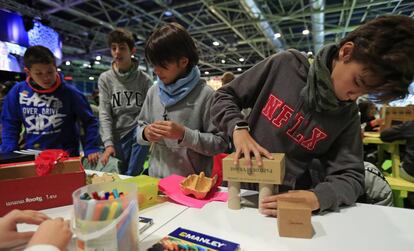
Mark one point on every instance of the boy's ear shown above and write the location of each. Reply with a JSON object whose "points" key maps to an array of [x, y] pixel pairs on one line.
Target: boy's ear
{"points": [[27, 71], [345, 52], [184, 61]]}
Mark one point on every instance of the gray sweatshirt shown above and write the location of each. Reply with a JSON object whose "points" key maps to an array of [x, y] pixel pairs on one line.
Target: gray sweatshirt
{"points": [[282, 121], [201, 138], [121, 96]]}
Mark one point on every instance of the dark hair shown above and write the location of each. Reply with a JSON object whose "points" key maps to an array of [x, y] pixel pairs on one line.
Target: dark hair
{"points": [[227, 77], [120, 35], [169, 43], [365, 108], [38, 55], [385, 46], [5, 88]]}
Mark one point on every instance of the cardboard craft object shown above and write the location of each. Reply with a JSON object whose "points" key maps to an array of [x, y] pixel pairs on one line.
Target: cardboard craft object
{"points": [[21, 188], [271, 172], [197, 185], [147, 190], [395, 115], [106, 177], [294, 219]]}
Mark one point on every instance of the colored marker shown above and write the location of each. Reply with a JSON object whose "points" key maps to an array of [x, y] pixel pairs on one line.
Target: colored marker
{"points": [[98, 211], [118, 210], [95, 196], [104, 213], [85, 196], [89, 209], [101, 195], [115, 193], [112, 210]]}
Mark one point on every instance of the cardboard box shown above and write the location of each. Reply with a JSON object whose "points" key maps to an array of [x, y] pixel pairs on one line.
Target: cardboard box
{"points": [[272, 171], [6, 158], [21, 188], [147, 190], [396, 115], [294, 219]]}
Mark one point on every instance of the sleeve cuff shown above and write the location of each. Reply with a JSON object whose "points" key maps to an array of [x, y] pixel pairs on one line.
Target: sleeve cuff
{"points": [[188, 139], [326, 196], [230, 126], [108, 142], [140, 137], [42, 248]]}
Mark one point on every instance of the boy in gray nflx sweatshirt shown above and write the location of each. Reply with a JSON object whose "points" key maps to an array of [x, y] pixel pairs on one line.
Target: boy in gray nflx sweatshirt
{"points": [[175, 117], [309, 112], [122, 91]]}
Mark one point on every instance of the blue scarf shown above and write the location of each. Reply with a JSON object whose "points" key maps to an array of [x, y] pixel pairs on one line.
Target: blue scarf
{"points": [[172, 93]]}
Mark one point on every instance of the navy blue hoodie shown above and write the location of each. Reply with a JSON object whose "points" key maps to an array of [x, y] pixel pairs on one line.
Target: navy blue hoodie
{"points": [[50, 120]]}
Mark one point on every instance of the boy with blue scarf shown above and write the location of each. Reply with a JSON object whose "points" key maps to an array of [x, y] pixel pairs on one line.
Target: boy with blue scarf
{"points": [[175, 117]]}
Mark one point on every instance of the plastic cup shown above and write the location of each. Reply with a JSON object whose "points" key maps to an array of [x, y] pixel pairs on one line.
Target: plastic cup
{"points": [[106, 224]]}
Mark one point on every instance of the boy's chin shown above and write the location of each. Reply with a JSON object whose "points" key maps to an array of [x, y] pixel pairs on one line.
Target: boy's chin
{"points": [[47, 86]]}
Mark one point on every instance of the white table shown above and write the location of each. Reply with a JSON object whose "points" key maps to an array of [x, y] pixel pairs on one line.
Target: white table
{"points": [[161, 214], [361, 227]]}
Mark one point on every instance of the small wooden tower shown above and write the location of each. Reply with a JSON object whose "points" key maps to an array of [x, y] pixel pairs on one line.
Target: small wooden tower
{"points": [[269, 174]]}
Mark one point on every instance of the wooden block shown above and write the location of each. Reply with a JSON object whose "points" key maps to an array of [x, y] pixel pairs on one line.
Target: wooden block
{"points": [[396, 115], [233, 201], [294, 219], [272, 171]]}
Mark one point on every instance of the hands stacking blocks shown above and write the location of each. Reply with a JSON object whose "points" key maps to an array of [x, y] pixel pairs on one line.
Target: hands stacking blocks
{"points": [[270, 173]]}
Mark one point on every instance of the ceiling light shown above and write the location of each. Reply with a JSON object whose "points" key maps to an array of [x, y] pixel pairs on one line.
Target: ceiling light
{"points": [[67, 63], [305, 32], [215, 43], [223, 61], [98, 58], [91, 78], [168, 13], [239, 69], [97, 62], [206, 72], [58, 69], [277, 35], [241, 59]]}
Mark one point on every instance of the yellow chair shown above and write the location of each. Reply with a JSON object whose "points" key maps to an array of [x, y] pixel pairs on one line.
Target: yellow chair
{"points": [[400, 189]]}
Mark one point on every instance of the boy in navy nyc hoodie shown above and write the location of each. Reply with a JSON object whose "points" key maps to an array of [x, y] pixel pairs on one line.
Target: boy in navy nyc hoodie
{"points": [[49, 110], [309, 112]]}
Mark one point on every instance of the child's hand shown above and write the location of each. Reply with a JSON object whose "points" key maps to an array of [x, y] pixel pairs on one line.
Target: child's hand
{"points": [[93, 158], [245, 144], [269, 204], [54, 232], [375, 122], [9, 236], [169, 129], [150, 134], [109, 151]]}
